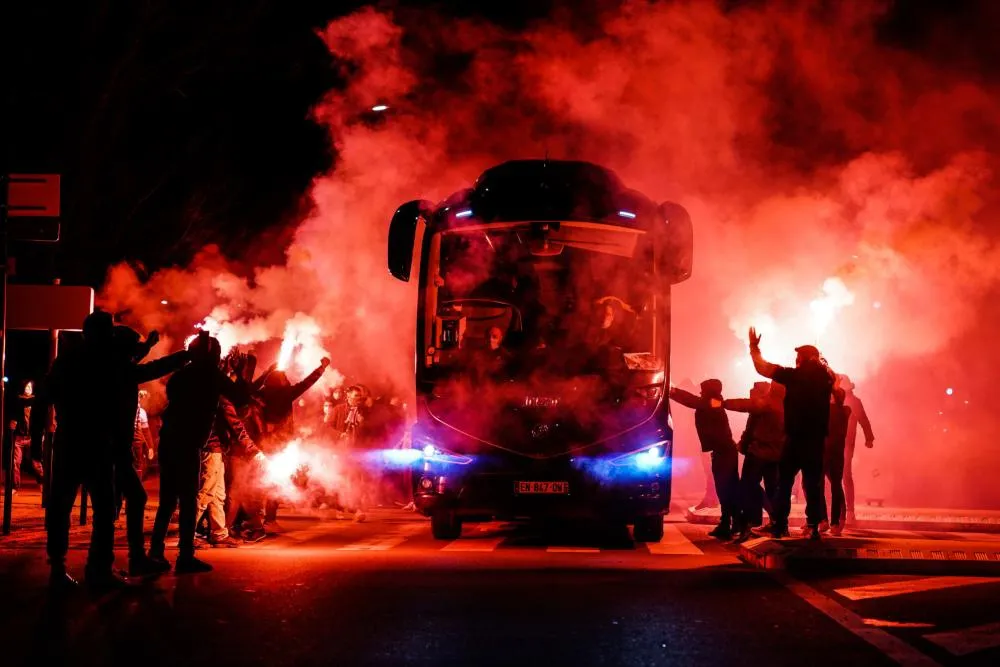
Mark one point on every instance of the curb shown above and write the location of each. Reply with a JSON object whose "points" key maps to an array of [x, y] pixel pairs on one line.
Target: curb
{"points": [[849, 555], [898, 521]]}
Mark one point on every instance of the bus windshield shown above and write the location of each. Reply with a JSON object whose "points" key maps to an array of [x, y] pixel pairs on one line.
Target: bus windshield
{"points": [[563, 299]]}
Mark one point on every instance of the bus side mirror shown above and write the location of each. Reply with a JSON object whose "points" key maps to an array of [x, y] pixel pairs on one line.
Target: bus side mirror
{"points": [[402, 236], [675, 243]]}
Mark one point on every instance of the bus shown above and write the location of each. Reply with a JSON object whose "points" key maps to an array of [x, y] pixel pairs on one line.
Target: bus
{"points": [[542, 347]]}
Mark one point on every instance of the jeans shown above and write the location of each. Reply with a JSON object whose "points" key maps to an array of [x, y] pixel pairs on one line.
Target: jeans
{"points": [[725, 473], [212, 496], [752, 499], [21, 445], [179, 485], [129, 488], [849, 478], [70, 470], [834, 468], [803, 454]]}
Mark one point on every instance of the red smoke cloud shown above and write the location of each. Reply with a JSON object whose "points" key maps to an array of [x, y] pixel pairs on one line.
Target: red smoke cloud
{"points": [[805, 148]]}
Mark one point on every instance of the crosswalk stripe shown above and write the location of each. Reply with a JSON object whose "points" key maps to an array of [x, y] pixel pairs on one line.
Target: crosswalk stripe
{"points": [[385, 541], [477, 544], [893, 588], [969, 640], [674, 543]]}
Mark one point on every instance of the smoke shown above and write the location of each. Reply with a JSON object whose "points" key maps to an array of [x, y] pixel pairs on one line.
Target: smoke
{"points": [[842, 189]]}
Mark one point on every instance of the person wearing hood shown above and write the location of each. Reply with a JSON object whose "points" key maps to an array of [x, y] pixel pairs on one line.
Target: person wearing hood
{"points": [[83, 388], [20, 430], [716, 436], [762, 444], [808, 387], [193, 395]]}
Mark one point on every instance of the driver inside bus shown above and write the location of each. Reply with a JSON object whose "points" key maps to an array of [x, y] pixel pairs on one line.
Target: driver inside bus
{"points": [[491, 361]]}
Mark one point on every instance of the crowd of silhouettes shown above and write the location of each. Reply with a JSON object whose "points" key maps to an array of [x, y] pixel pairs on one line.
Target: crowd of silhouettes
{"points": [[803, 422]]}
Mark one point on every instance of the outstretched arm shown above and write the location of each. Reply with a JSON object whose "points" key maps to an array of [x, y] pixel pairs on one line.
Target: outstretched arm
{"points": [[739, 404], [157, 368], [685, 398]]}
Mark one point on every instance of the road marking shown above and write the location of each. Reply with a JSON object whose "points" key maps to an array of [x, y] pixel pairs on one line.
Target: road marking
{"points": [[478, 544], [385, 541], [880, 623], [674, 543], [572, 550], [970, 640], [911, 586], [892, 646]]}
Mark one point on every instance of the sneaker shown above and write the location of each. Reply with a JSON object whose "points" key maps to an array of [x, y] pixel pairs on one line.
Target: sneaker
{"points": [[742, 536], [61, 582], [254, 536], [812, 533], [721, 532], [227, 542], [106, 582], [852, 519], [142, 566], [824, 526], [360, 517], [191, 565], [836, 530], [771, 530]]}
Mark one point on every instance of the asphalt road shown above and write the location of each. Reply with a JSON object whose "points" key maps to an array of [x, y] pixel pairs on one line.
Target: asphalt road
{"points": [[385, 593]]}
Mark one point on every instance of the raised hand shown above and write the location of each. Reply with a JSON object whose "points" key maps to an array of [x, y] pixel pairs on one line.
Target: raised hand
{"points": [[754, 339], [153, 338]]}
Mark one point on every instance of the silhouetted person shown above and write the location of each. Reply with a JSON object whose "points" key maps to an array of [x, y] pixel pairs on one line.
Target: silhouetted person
{"points": [[228, 439], [82, 386], [129, 349], [20, 434], [807, 416], [762, 445], [833, 463], [278, 396], [858, 418], [716, 436], [193, 395]]}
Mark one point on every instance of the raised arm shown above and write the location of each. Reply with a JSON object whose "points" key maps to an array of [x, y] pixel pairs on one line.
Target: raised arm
{"points": [[764, 367], [311, 379]]}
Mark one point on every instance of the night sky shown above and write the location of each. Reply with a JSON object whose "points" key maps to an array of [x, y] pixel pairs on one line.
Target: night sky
{"points": [[178, 124]]}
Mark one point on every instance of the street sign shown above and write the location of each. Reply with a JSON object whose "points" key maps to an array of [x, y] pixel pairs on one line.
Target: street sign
{"points": [[41, 230], [48, 307], [33, 195]]}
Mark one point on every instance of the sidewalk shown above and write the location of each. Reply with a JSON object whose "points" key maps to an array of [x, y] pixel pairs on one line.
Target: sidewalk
{"points": [[27, 526], [877, 555], [890, 518]]}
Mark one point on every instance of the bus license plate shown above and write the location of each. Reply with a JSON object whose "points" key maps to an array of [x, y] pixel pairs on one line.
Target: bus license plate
{"points": [[542, 487]]}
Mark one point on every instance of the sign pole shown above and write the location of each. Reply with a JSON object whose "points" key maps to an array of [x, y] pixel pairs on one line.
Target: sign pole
{"points": [[8, 491]]}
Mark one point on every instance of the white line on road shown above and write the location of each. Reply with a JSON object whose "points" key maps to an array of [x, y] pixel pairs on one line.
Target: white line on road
{"points": [[970, 640], [911, 586], [674, 543], [475, 544], [385, 541], [893, 647]]}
